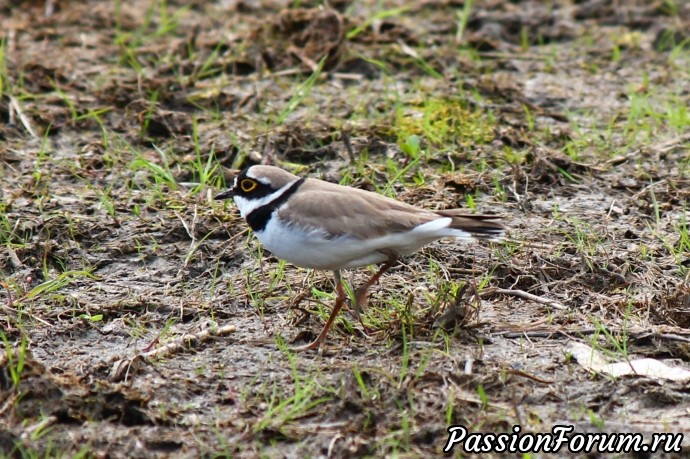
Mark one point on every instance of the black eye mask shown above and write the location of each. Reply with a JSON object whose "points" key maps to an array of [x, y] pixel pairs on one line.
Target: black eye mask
{"points": [[246, 187]]}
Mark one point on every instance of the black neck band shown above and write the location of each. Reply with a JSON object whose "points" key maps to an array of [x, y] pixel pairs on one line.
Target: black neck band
{"points": [[259, 217]]}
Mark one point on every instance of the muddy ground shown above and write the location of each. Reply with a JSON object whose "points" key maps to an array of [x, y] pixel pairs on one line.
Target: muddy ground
{"points": [[140, 317]]}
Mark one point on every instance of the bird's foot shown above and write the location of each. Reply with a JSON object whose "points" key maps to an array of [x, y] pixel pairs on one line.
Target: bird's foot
{"points": [[316, 344]]}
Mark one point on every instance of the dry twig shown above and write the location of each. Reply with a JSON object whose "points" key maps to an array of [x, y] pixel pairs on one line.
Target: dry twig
{"points": [[188, 339], [567, 333], [524, 295], [122, 367], [14, 104]]}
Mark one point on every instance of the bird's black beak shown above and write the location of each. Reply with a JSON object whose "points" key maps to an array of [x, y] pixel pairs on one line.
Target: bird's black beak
{"points": [[227, 194]]}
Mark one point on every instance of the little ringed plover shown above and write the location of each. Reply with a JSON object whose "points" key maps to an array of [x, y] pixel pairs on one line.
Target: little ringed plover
{"points": [[320, 225]]}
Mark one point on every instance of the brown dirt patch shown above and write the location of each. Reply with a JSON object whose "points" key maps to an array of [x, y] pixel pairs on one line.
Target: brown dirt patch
{"points": [[567, 119]]}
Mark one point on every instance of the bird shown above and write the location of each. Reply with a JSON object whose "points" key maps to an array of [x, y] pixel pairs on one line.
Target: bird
{"points": [[320, 225]]}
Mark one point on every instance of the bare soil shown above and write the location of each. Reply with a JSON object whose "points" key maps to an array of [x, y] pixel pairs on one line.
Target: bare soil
{"points": [[141, 319]]}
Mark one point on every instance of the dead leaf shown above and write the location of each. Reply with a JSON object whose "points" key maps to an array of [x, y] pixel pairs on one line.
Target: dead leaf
{"points": [[595, 361]]}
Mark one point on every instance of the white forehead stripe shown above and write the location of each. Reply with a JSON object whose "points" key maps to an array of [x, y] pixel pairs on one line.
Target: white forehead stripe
{"points": [[250, 174], [263, 179]]}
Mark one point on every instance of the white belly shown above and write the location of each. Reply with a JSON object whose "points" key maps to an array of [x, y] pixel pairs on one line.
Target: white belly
{"points": [[313, 250]]}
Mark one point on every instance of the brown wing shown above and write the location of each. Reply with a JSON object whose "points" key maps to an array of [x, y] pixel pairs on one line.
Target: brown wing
{"points": [[343, 210]]}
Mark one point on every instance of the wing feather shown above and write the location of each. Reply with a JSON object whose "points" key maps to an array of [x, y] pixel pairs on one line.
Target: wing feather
{"points": [[343, 211]]}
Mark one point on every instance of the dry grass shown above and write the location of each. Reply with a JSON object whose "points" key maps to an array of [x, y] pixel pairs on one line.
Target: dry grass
{"points": [[122, 279]]}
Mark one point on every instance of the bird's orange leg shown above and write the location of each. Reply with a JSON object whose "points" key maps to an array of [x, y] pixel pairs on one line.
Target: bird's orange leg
{"points": [[339, 302], [362, 294]]}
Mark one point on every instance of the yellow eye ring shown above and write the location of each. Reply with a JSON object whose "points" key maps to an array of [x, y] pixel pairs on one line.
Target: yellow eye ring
{"points": [[247, 185]]}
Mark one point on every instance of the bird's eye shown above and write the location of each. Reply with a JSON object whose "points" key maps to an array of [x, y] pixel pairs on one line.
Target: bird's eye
{"points": [[247, 185]]}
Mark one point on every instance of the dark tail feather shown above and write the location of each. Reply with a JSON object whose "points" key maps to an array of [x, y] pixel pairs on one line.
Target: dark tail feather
{"points": [[480, 226]]}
